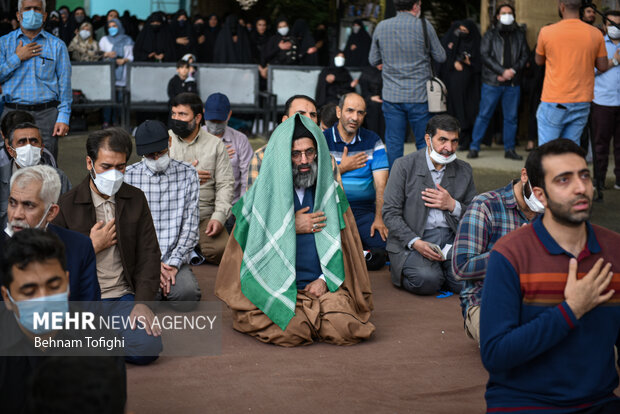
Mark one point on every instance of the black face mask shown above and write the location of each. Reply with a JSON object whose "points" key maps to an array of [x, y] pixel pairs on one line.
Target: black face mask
{"points": [[155, 27], [198, 27], [182, 128]]}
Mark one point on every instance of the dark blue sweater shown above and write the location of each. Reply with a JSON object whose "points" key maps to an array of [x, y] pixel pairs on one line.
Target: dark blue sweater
{"points": [[308, 265], [539, 356]]}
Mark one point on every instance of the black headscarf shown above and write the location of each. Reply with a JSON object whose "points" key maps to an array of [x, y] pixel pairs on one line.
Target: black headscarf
{"points": [[130, 23], [154, 39], [179, 29], [362, 41], [259, 41], [305, 40], [229, 51], [205, 50], [463, 86]]}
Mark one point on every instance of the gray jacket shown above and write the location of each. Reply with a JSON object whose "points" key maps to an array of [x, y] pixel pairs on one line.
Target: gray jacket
{"points": [[6, 171], [404, 212]]}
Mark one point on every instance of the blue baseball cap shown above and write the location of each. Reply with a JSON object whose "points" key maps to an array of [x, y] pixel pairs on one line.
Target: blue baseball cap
{"points": [[217, 107]]}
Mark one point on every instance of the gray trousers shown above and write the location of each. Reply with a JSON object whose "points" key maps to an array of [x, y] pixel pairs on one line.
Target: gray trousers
{"points": [[184, 293], [425, 277], [45, 120]]}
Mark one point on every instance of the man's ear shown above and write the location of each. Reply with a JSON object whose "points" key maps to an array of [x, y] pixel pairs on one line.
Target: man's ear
{"points": [[51, 215], [539, 193], [229, 115], [89, 163], [428, 138], [9, 149], [338, 112], [524, 178], [7, 302]]}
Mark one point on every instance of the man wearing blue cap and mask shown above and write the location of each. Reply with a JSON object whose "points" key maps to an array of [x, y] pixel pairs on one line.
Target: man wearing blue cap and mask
{"points": [[171, 188], [425, 197], [35, 73], [488, 218], [240, 152]]}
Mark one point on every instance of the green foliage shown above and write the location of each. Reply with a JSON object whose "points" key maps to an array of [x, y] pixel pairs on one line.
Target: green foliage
{"points": [[313, 11], [445, 12]]}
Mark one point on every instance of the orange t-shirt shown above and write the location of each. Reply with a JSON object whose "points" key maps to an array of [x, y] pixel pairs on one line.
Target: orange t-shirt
{"points": [[570, 48]]}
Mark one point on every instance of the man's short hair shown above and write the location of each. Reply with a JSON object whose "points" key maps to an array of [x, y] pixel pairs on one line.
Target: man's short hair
{"points": [[182, 64], [533, 164], [444, 122], [44, 174], [405, 5], [30, 246], [14, 118], [289, 102], [344, 97], [43, 5], [499, 7], [114, 139], [571, 4], [23, 125], [192, 100], [327, 114]]}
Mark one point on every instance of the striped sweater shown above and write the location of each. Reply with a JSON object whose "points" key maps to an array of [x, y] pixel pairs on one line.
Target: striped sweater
{"points": [[540, 358]]}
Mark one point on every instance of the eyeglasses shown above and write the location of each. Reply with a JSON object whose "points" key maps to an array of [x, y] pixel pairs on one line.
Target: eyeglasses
{"points": [[310, 153]]}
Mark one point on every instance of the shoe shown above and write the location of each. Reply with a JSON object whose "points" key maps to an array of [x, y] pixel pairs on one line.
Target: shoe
{"points": [[511, 154], [617, 185], [472, 154], [530, 146]]}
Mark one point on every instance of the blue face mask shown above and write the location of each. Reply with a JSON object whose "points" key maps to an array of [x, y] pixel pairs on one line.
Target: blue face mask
{"points": [[113, 31], [44, 304], [32, 20]]}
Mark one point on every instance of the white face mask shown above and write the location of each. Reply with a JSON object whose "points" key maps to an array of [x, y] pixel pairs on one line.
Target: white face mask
{"points": [[506, 19], [613, 32], [108, 182], [283, 30], [159, 165], [339, 61], [356, 29], [532, 202], [84, 34], [441, 159], [28, 155]]}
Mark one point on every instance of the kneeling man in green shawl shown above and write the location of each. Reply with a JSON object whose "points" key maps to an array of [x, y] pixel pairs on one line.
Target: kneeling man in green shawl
{"points": [[293, 271]]}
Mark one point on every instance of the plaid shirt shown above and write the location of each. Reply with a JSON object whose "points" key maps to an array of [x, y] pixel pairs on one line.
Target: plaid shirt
{"points": [[173, 199], [39, 79], [490, 216], [398, 43], [257, 160]]}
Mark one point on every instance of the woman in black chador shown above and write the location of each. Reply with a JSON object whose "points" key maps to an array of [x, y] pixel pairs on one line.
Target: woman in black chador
{"points": [[334, 81], [461, 74], [358, 46], [233, 43], [154, 43]]}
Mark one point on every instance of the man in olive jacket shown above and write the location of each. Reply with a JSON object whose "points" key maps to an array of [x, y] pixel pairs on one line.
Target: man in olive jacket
{"points": [[116, 217]]}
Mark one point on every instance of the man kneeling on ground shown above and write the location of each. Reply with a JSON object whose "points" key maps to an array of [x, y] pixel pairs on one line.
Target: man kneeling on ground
{"points": [[287, 279]]}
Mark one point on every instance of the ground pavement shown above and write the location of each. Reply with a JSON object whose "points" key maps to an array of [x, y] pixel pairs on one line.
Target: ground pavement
{"points": [[419, 359]]}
